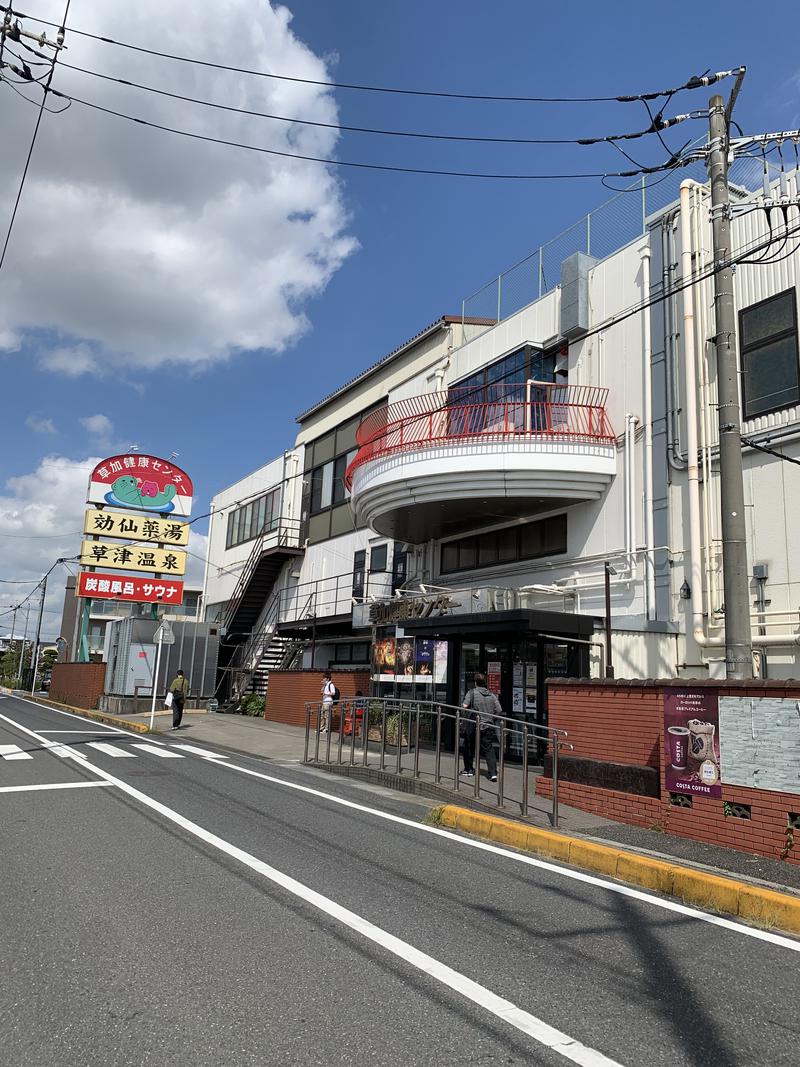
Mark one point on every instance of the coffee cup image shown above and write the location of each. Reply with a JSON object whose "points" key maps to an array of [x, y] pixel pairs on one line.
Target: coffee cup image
{"points": [[678, 739]]}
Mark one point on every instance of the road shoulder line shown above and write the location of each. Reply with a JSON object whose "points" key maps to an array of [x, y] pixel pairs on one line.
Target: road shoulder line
{"points": [[753, 903], [85, 713]]}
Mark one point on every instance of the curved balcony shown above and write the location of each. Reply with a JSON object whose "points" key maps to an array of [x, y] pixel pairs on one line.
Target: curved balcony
{"points": [[433, 465]]}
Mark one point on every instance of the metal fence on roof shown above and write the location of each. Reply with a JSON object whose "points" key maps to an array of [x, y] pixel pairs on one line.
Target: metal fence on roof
{"points": [[600, 233]]}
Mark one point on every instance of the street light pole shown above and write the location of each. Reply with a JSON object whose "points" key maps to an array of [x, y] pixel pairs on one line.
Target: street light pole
{"points": [[608, 570], [35, 653], [738, 638]]}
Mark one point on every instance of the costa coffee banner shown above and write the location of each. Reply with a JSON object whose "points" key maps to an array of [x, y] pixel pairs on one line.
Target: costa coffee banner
{"points": [[135, 590], [691, 741], [132, 557], [143, 483], [135, 527]]}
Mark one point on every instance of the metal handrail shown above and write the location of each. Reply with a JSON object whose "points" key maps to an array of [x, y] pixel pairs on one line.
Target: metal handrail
{"points": [[286, 534], [347, 711], [569, 413]]}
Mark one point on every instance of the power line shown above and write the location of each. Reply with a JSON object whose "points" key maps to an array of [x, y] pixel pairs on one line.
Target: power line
{"points": [[657, 124], [691, 83], [361, 165], [46, 89]]}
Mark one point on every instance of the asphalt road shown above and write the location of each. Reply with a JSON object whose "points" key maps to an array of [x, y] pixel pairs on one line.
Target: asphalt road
{"points": [[162, 904]]}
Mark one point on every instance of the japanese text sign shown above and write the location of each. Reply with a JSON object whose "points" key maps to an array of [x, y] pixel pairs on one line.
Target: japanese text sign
{"points": [[133, 557], [144, 483], [135, 527], [691, 742], [135, 590]]}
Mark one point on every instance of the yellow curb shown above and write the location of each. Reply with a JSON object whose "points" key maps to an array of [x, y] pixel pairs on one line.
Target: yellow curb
{"points": [[97, 716], [761, 906]]}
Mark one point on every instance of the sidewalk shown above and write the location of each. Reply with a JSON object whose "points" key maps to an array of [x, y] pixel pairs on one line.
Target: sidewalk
{"points": [[275, 741]]}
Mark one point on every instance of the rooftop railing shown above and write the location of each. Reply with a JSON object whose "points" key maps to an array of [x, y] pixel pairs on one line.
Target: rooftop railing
{"points": [[542, 412]]}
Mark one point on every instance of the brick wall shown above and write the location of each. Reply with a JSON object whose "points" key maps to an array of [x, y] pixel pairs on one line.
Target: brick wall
{"points": [[289, 691], [622, 722], [78, 684]]}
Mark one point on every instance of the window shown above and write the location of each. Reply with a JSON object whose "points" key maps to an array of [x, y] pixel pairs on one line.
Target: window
{"points": [[545, 537], [355, 653], [768, 339], [251, 519], [399, 567], [377, 559], [359, 566], [327, 482]]}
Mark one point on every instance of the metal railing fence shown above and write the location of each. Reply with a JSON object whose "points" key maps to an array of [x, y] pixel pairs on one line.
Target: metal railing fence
{"points": [[279, 533], [599, 233], [555, 413], [405, 729]]}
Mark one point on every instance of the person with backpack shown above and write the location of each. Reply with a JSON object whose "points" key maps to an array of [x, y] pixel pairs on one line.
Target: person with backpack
{"points": [[482, 706], [330, 696]]}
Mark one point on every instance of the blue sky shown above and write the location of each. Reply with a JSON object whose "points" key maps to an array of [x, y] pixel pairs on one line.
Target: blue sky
{"points": [[409, 248]]}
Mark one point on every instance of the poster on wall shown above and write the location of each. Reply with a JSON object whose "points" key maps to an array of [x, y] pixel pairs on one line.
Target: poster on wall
{"points": [[691, 742], [440, 662], [493, 677], [384, 659], [424, 660], [404, 657], [518, 673]]}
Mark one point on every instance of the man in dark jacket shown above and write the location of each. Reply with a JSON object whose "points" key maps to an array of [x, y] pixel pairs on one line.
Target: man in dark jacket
{"points": [[482, 706]]}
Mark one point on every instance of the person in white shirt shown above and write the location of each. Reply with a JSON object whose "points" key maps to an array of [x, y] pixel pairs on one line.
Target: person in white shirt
{"points": [[328, 694]]}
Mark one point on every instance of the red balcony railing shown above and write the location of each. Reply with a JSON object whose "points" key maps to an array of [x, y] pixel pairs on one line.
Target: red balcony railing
{"points": [[437, 420]]}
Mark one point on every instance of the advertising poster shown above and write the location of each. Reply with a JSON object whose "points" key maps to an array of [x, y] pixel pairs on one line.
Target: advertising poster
{"points": [[144, 483], [132, 527], [691, 742], [493, 677], [518, 673], [384, 658], [136, 590], [440, 662], [424, 659], [132, 557], [404, 657]]}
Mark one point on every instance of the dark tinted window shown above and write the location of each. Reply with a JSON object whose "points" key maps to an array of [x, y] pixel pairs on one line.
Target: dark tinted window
{"points": [[770, 378], [546, 537]]}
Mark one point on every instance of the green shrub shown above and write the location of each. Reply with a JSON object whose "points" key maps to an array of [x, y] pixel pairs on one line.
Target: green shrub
{"points": [[252, 704]]}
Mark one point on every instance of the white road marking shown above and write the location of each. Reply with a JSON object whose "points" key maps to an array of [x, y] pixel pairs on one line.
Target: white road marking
{"points": [[77, 732], [62, 750], [532, 861], [71, 715], [503, 1009], [165, 753], [517, 857], [53, 785], [13, 752], [199, 751], [111, 750]]}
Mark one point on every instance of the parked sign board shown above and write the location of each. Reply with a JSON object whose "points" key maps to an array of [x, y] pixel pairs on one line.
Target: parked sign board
{"points": [[130, 588], [132, 527], [143, 483], [133, 557]]}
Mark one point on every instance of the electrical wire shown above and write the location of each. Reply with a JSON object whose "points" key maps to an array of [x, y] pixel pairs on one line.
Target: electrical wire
{"points": [[691, 83], [352, 163], [46, 89], [27, 99], [612, 138]]}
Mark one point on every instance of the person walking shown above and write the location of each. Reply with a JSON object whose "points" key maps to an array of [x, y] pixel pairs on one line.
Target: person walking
{"points": [[480, 733], [179, 687], [328, 697]]}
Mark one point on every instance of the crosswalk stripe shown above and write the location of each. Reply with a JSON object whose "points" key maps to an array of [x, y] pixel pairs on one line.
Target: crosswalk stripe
{"points": [[111, 750], [14, 752], [65, 752], [200, 751], [152, 750]]}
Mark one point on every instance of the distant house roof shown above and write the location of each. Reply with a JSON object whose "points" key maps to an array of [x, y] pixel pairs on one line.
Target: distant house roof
{"points": [[439, 324]]}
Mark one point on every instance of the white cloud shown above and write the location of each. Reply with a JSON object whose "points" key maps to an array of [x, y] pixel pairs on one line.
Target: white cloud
{"points": [[40, 425], [41, 518], [135, 247], [99, 425]]}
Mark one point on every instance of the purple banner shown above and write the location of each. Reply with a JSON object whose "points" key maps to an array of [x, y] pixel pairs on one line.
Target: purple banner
{"points": [[691, 742]]}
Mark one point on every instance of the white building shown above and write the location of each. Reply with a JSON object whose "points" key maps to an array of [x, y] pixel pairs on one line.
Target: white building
{"points": [[502, 463]]}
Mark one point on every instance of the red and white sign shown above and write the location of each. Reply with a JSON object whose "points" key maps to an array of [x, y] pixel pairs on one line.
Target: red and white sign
{"points": [[136, 590], [144, 483]]}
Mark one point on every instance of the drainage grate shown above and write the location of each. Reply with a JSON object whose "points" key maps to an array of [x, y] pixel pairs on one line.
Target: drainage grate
{"points": [[681, 800]]}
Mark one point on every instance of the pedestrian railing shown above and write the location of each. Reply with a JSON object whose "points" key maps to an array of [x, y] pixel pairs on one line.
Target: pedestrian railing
{"points": [[406, 737]]}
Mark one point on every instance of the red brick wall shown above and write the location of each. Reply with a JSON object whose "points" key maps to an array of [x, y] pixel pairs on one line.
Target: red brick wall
{"points": [[78, 684], [289, 691], [622, 722]]}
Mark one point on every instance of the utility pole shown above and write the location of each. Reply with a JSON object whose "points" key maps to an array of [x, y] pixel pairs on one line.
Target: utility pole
{"points": [[35, 653], [738, 640]]}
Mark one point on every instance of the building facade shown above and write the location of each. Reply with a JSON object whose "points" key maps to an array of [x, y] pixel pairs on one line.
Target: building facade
{"points": [[462, 504]]}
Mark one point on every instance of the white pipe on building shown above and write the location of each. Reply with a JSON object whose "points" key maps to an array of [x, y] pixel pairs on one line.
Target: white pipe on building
{"points": [[649, 535]]}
